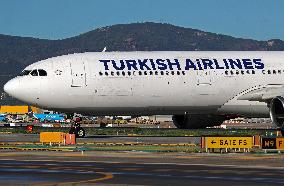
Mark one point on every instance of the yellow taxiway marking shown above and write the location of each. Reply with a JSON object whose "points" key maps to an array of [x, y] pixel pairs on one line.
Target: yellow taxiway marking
{"points": [[251, 157], [74, 155], [106, 176], [31, 166]]}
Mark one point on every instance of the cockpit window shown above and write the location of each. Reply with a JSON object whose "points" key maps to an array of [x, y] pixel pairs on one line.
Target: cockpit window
{"points": [[34, 73], [42, 72], [25, 72]]}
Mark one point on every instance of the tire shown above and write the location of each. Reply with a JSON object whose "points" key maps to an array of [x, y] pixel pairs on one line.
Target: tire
{"points": [[178, 121], [80, 132]]}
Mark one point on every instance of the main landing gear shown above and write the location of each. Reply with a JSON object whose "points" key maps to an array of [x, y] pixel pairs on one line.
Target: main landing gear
{"points": [[77, 130]]}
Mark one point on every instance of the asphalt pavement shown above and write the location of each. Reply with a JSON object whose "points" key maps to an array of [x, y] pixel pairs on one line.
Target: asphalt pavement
{"points": [[137, 168]]}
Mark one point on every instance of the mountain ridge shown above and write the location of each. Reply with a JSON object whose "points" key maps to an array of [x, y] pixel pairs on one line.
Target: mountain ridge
{"points": [[17, 52]]}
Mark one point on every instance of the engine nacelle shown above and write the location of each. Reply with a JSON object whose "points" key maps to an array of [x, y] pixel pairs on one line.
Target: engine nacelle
{"points": [[277, 111], [197, 121]]}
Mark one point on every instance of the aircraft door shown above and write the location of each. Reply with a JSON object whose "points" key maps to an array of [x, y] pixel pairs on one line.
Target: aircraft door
{"points": [[78, 73]]}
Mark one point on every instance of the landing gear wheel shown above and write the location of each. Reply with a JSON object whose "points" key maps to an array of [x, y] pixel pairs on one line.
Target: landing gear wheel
{"points": [[80, 132]]}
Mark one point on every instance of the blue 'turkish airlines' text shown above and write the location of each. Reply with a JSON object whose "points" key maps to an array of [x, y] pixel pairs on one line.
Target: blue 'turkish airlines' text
{"points": [[174, 64]]}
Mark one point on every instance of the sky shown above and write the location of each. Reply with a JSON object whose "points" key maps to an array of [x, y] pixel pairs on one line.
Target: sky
{"points": [[58, 19]]}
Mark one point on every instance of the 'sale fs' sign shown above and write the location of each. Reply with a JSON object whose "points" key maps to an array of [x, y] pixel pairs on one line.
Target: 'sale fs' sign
{"points": [[229, 142]]}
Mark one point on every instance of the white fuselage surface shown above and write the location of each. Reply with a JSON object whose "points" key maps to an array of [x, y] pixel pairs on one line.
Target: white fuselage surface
{"points": [[147, 83]]}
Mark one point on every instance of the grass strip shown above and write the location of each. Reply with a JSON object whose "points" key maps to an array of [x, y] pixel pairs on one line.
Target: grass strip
{"points": [[90, 131]]}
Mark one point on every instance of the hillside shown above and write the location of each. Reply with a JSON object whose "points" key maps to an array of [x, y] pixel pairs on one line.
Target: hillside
{"points": [[18, 52]]}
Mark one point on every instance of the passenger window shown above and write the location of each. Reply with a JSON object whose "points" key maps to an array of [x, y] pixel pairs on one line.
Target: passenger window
{"points": [[34, 73], [42, 72]]}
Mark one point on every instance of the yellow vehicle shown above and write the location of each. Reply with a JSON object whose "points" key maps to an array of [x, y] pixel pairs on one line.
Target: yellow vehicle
{"points": [[18, 109], [119, 121], [14, 109]]}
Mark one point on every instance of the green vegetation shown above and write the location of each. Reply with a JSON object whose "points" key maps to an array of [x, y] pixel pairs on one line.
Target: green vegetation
{"points": [[148, 132]]}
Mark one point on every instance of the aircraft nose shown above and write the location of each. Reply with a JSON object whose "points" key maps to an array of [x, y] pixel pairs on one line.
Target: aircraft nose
{"points": [[11, 87]]}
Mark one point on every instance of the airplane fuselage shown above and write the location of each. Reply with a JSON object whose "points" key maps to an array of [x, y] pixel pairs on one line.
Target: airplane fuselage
{"points": [[147, 83]]}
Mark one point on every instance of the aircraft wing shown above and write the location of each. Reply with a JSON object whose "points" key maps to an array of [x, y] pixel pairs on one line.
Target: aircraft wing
{"points": [[264, 94]]}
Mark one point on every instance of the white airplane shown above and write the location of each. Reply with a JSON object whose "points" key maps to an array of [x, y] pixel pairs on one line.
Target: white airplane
{"points": [[199, 89]]}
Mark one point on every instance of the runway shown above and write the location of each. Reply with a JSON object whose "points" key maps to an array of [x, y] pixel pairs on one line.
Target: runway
{"points": [[103, 168]]}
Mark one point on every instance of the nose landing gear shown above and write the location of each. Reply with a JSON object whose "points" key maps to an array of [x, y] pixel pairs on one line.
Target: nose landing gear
{"points": [[77, 130]]}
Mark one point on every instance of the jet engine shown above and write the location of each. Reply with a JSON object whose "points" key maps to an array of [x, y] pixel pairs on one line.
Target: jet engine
{"points": [[197, 121], [277, 111]]}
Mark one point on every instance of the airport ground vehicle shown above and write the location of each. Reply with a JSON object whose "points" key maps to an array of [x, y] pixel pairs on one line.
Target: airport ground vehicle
{"points": [[119, 121], [200, 89], [49, 117]]}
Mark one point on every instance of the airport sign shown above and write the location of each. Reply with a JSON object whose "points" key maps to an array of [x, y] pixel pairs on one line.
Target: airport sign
{"points": [[229, 142], [273, 143], [280, 143]]}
